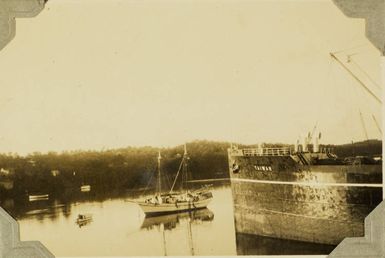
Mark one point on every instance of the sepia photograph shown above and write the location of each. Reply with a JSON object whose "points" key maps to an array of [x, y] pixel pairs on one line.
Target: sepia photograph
{"points": [[194, 128]]}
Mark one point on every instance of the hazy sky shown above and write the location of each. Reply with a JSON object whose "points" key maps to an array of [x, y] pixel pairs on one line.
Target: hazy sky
{"points": [[93, 74]]}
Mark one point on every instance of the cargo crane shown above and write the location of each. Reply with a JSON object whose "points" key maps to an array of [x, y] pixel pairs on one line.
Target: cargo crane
{"points": [[356, 78], [350, 60], [314, 139], [371, 93]]}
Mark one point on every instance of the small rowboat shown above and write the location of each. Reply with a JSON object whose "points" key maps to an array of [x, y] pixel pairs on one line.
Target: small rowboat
{"points": [[85, 188], [83, 219], [40, 197]]}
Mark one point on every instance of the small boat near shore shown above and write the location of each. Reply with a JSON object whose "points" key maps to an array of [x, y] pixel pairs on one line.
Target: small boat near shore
{"points": [[41, 197], [83, 219], [85, 188], [175, 201]]}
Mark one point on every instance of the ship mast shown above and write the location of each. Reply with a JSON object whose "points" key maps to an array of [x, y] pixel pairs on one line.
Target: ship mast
{"points": [[184, 175], [159, 179], [183, 167]]}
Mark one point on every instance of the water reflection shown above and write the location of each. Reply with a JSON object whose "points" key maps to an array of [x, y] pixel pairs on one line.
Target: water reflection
{"points": [[183, 220], [112, 226], [55, 206], [119, 228], [39, 210], [171, 221], [261, 245]]}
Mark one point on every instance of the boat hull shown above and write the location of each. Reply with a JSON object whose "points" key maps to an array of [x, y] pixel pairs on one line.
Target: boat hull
{"points": [[166, 208], [275, 197]]}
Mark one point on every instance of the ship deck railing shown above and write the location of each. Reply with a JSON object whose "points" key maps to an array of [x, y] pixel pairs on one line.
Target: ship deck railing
{"points": [[261, 152]]}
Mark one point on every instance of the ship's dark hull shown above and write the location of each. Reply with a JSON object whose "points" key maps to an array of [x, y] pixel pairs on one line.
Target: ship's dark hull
{"points": [[276, 197], [248, 244]]}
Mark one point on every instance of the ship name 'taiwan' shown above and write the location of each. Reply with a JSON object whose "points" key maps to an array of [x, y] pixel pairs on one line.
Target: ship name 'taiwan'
{"points": [[303, 193]]}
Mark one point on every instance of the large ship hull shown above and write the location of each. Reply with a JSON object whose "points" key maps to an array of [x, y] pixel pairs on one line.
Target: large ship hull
{"points": [[277, 197]]}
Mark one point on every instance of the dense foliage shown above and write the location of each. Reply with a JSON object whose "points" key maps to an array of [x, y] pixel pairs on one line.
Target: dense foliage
{"points": [[127, 168], [364, 148]]}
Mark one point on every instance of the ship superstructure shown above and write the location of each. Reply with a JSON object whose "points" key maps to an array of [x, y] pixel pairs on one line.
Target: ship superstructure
{"points": [[303, 193]]}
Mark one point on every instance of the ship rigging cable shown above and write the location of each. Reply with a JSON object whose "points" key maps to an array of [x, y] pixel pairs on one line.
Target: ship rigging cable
{"points": [[371, 93], [363, 126], [377, 125], [350, 60], [177, 174], [356, 78]]}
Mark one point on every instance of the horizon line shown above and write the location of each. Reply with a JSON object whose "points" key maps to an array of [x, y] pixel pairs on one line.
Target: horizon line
{"points": [[105, 149]]}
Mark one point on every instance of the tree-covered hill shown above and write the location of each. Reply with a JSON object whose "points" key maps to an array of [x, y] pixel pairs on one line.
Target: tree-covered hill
{"points": [[128, 168]]}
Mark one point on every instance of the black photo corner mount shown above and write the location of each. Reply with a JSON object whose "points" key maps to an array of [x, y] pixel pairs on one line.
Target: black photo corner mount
{"points": [[370, 246]]}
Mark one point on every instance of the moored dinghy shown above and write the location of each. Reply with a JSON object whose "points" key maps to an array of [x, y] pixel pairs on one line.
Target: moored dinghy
{"points": [[39, 197], [83, 219], [85, 188]]}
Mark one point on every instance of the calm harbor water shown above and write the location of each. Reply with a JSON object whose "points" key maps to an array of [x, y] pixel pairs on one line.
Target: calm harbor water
{"points": [[119, 228]]}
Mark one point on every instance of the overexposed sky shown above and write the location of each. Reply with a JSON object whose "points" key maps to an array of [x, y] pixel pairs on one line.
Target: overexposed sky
{"points": [[93, 74]]}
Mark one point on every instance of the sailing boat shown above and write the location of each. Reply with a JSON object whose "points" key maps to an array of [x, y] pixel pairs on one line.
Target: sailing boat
{"points": [[172, 201]]}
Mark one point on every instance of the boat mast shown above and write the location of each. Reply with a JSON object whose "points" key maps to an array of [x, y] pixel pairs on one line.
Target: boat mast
{"points": [[182, 166], [184, 175], [159, 179]]}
